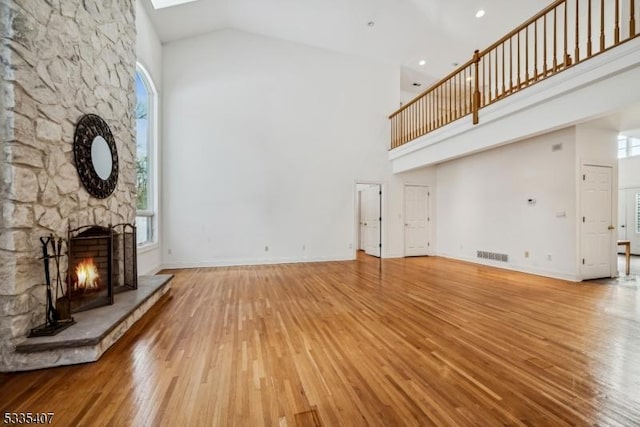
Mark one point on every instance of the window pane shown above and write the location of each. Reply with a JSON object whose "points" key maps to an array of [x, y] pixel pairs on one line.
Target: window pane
{"points": [[634, 144], [142, 143], [143, 229]]}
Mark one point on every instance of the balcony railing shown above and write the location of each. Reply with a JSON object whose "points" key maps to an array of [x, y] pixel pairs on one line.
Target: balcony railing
{"points": [[562, 35]]}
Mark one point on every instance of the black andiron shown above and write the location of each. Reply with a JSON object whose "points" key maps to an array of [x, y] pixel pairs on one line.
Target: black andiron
{"points": [[58, 315]]}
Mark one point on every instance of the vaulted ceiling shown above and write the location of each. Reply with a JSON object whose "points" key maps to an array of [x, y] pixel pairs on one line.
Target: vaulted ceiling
{"points": [[442, 32]]}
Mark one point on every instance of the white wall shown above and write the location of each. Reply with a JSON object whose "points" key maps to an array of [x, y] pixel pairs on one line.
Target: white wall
{"points": [[264, 142], [149, 54], [482, 204]]}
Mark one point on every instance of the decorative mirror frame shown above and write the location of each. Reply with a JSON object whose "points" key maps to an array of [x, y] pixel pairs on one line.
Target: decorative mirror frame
{"points": [[88, 128]]}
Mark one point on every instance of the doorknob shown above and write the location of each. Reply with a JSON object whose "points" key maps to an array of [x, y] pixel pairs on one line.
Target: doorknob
{"points": [[611, 227]]}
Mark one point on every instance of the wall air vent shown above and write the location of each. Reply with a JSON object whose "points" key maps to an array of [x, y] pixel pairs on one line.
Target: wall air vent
{"points": [[493, 256]]}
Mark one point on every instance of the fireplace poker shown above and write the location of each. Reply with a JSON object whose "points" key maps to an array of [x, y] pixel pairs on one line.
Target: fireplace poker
{"points": [[52, 315], [62, 302]]}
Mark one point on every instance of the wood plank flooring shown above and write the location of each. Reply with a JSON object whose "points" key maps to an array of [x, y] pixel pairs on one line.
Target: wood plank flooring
{"points": [[418, 341]]}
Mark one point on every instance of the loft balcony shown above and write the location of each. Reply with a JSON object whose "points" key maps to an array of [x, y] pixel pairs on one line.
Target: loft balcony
{"points": [[575, 60]]}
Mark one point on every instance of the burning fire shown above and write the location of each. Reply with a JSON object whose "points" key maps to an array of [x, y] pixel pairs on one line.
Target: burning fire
{"points": [[87, 274]]}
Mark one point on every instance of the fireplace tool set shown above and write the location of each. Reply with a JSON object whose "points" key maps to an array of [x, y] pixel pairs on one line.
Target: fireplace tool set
{"points": [[58, 309]]}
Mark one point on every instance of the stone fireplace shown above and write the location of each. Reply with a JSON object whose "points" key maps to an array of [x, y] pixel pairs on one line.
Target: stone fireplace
{"points": [[58, 61]]}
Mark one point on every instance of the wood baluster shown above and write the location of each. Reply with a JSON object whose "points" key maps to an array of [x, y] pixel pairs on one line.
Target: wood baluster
{"points": [[476, 91], [415, 120], [482, 96], [555, 40], [484, 80], [544, 40], [589, 49], [489, 78], [461, 94], [510, 64], [632, 18], [421, 111], [602, 25], [577, 50], [504, 87], [392, 132], [535, 50], [461, 88], [616, 29], [565, 55], [526, 56], [431, 110], [437, 100], [449, 106], [409, 123], [519, 79]]}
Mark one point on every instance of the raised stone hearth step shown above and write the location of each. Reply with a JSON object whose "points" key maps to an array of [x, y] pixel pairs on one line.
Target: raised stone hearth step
{"points": [[95, 330]]}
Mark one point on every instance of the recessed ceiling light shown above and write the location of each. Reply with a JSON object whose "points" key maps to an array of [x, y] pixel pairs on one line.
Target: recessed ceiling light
{"points": [[371, 24], [422, 62], [160, 4], [480, 13]]}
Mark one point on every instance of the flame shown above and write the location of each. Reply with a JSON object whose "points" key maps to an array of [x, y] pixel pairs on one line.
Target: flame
{"points": [[87, 274]]}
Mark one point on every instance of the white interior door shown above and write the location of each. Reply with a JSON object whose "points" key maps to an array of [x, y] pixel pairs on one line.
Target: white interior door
{"points": [[632, 219], [416, 220], [596, 226], [372, 218]]}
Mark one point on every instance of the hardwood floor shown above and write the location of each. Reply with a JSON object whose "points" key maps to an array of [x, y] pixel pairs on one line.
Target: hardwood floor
{"points": [[418, 341]]}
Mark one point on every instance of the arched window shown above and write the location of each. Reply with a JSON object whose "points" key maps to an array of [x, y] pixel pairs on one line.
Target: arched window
{"points": [[146, 136]]}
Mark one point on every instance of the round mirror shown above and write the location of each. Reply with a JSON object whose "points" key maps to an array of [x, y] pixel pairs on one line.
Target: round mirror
{"points": [[95, 155], [101, 157]]}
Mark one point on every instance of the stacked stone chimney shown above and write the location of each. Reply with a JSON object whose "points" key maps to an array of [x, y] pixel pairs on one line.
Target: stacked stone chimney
{"points": [[59, 59]]}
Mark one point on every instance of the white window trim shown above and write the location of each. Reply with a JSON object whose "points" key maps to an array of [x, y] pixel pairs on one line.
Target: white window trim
{"points": [[152, 114]]}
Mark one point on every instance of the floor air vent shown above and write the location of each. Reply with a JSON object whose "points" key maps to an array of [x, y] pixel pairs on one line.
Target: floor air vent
{"points": [[493, 256]]}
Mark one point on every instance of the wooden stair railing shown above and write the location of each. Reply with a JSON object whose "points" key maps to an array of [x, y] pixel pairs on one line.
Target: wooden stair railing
{"points": [[539, 48]]}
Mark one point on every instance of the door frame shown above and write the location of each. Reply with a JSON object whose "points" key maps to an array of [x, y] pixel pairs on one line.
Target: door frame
{"points": [[613, 250], [404, 217], [356, 215]]}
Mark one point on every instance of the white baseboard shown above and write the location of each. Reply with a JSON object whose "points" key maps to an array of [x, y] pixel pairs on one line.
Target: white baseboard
{"points": [[572, 277]]}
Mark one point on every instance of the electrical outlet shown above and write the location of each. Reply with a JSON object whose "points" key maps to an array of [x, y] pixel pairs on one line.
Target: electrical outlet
{"points": [[169, 251], [266, 248], [549, 257], [526, 254], [304, 247], [350, 245]]}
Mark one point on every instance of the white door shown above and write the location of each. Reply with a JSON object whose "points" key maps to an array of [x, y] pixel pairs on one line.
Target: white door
{"points": [[416, 220], [372, 218], [596, 223], [632, 219]]}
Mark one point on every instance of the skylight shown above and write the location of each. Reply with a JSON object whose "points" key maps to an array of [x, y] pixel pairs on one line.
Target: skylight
{"points": [[159, 4]]}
